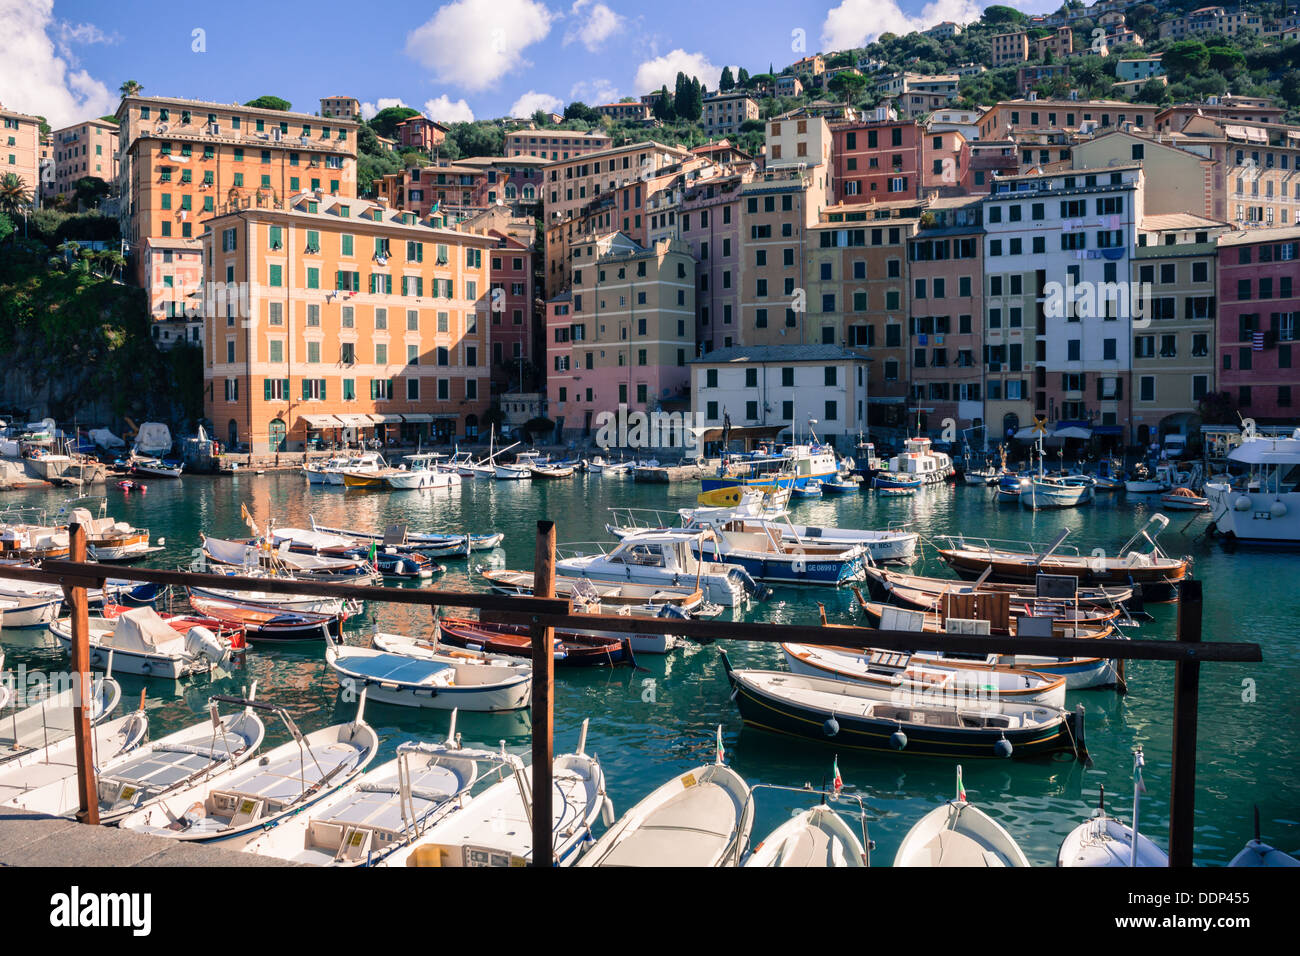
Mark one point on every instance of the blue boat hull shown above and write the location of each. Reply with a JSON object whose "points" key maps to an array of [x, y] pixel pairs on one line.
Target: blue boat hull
{"points": [[814, 571]]}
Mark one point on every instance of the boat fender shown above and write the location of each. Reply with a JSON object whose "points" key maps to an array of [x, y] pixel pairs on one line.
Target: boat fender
{"points": [[898, 740], [1277, 509], [1003, 747], [1242, 503], [830, 727]]}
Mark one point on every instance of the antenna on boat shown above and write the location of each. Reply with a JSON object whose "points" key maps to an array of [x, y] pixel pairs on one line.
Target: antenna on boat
{"points": [[451, 729], [582, 738], [1138, 789]]}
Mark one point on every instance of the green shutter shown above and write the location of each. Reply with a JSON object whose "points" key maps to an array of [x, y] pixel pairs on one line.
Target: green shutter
{"points": [[356, 282], [266, 383], [322, 390], [286, 387], [372, 283], [338, 280], [347, 245], [306, 390]]}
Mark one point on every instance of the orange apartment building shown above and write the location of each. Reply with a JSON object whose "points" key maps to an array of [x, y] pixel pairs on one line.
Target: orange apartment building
{"points": [[182, 160], [341, 318], [20, 137], [84, 151], [1010, 48], [555, 144], [1040, 115]]}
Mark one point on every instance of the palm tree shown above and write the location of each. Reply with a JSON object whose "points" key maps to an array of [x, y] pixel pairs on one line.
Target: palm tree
{"points": [[129, 88], [14, 198]]}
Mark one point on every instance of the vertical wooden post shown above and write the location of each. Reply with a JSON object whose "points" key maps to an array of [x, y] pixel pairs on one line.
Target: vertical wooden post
{"points": [[1187, 683], [78, 606], [543, 703]]}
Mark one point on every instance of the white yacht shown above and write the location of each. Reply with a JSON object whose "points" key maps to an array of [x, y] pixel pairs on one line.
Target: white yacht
{"points": [[662, 558], [919, 460], [1261, 504]]}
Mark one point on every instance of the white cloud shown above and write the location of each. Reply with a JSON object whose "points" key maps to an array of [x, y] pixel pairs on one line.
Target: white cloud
{"points": [[531, 102], [594, 93], [368, 110], [34, 79], [855, 23], [84, 34], [597, 24], [473, 43], [663, 70], [445, 110]]}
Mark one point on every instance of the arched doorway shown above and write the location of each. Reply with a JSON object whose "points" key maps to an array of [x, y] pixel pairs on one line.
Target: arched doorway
{"points": [[232, 434], [1010, 424], [277, 433]]}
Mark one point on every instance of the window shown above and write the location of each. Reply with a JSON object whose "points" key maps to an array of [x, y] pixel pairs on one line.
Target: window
{"points": [[413, 389]]}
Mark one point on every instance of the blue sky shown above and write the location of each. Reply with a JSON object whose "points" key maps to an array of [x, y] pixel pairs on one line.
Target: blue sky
{"points": [[453, 59]]}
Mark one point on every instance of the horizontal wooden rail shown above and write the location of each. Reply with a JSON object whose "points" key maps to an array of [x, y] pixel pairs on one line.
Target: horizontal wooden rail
{"points": [[862, 637], [74, 573]]}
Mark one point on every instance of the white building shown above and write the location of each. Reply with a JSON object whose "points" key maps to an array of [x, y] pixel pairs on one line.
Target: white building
{"points": [[782, 385], [1062, 244]]}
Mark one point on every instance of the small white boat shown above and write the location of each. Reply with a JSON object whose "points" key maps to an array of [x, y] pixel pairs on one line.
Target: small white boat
{"points": [[437, 680], [108, 539], [819, 837], [261, 793], [1148, 482], [701, 818], [420, 471], [29, 604], [495, 829], [49, 765], [26, 734], [265, 600], [1258, 853], [511, 472], [143, 643], [317, 472], [1045, 492], [214, 746], [1102, 840], [383, 809], [958, 834], [156, 467], [1184, 499], [662, 558]]}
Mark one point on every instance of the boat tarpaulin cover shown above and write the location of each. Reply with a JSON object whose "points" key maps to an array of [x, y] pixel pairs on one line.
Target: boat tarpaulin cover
{"points": [[141, 629], [104, 438], [230, 552], [154, 438]]}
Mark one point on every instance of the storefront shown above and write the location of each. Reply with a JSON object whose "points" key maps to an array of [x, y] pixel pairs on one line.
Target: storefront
{"points": [[415, 427], [388, 427], [319, 430]]}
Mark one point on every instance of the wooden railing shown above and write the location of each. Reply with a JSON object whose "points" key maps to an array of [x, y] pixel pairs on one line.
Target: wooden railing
{"points": [[543, 613]]}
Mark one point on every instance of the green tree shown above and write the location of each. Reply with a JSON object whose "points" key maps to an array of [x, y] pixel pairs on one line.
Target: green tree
{"points": [[1225, 58], [14, 196], [7, 228], [1185, 58], [1289, 87], [727, 82], [742, 77], [130, 88], [579, 110], [385, 121], [663, 106], [270, 103], [847, 86], [998, 15]]}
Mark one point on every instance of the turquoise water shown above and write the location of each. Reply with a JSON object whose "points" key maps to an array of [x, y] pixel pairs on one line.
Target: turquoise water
{"points": [[644, 733]]}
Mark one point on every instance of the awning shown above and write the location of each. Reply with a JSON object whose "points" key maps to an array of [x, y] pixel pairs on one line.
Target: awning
{"points": [[1073, 431], [416, 417], [1108, 430], [386, 418], [354, 421], [321, 421]]}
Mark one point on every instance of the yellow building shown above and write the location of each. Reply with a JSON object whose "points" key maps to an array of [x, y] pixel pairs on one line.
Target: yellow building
{"points": [[343, 319], [182, 160]]}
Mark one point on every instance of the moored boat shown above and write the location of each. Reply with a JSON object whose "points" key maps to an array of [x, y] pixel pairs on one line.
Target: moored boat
{"points": [[572, 648], [437, 681], [1184, 499], [958, 834], [1102, 840], [29, 731], [140, 642], [270, 624]]}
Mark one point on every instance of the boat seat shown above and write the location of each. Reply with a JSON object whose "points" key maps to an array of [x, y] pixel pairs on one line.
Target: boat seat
{"points": [[397, 668], [284, 781], [948, 848]]}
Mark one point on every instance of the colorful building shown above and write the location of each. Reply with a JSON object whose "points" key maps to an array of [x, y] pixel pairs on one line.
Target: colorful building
{"points": [[341, 318], [86, 150], [877, 161], [555, 144], [20, 137]]}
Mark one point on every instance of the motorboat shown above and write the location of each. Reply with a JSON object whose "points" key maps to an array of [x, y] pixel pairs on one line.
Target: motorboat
{"points": [[1258, 853], [1046, 491], [366, 463], [1154, 481], [140, 642], [30, 604], [924, 593], [701, 818], [382, 810], [261, 623], [815, 838], [571, 648], [1102, 840], [48, 765], [437, 681], [794, 467], [27, 732], [1261, 503], [438, 544], [918, 460], [959, 834], [150, 771], [317, 472], [420, 471], [661, 559], [1184, 499], [367, 471], [107, 539], [685, 597], [156, 467], [495, 829], [259, 794]]}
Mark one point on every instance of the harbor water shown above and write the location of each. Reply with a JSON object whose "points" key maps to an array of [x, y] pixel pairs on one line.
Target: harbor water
{"points": [[660, 719]]}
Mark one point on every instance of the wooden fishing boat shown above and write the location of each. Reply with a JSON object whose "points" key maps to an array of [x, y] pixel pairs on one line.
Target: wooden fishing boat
{"points": [[862, 717], [258, 795], [436, 681], [108, 539], [213, 746], [887, 482], [818, 837], [937, 622], [812, 489], [141, 642], [698, 819], [922, 593], [959, 834], [551, 472], [270, 624], [1022, 562], [840, 486], [914, 675], [279, 603], [26, 734], [32, 542], [1184, 499], [1045, 491], [382, 810], [571, 649], [1102, 840], [1063, 611], [495, 828]]}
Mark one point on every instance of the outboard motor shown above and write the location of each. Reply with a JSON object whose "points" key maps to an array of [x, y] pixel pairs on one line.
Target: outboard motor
{"points": [[756, 591], [201, 642]]}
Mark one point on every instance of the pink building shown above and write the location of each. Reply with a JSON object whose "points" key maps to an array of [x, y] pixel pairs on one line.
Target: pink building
{"points": [[1259, 309], [877, 161], [511, 303], [710, 227], [421, 133]]}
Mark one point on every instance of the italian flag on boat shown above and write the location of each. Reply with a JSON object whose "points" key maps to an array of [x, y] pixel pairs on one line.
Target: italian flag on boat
{"points": [[961, 789], [722, 754], [838, 782]]}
